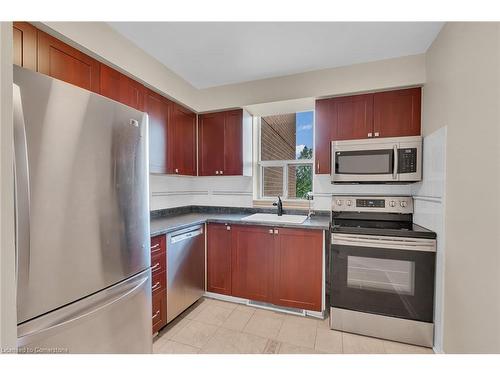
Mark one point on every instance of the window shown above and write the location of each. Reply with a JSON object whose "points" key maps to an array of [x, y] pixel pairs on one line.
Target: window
{"points": [[285, 155]]}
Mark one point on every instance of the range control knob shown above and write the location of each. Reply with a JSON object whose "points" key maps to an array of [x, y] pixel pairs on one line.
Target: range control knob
{"points": [[403, 203], [392, 203], [339, 202], [348, 202]]}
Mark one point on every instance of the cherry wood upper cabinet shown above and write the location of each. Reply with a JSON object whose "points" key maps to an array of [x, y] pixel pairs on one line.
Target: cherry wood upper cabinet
{"points": [[352, 117], [219, 258], [397, 113], [211, 143], [253, 262], [181, 149], [119, 87], [323, 135], [393, 113], [233, 143], [61, 61], [221, 143], [24, 49], [298, 268], [157, 108]]}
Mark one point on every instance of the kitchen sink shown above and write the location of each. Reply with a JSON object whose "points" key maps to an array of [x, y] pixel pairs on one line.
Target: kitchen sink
{"points": [[274, 218]]}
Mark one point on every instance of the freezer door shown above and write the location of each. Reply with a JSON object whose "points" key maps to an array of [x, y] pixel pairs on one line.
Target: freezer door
{"points": [[82, 201], [115, 320]]}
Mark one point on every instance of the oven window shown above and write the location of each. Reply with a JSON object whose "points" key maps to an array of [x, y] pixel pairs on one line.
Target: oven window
{"points": [[364, 162], [388, 275]]}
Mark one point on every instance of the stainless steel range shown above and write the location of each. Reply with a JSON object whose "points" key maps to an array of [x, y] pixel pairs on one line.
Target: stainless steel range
{"points": [[382, 270]]}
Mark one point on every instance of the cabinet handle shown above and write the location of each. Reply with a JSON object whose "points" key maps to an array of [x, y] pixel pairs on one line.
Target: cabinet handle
{"points": [[276, 231], [317, 167], [228, 227], [155, 287], [377, 134], [221, 172], [271, 231], [370, 135], [155, 246], [156, 314], [176, 170], [216, 172], [155, 267]]}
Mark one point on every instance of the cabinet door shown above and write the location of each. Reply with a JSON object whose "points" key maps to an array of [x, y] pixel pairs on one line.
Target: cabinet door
{"points": [[211, 143], [233, 143], [157, 109], [24, 48], [298, 269], [182, 141], [323, 135], [219, 258], [352, 117], [61, 61], [119, 87], [253, 262], [397, 113]]}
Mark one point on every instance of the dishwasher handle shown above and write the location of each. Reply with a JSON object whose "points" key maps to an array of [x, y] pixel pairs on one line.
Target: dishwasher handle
{"points": [[176, 238]]}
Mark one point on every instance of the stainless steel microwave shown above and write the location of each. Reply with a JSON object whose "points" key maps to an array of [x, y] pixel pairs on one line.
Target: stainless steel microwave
{"points": [[382, 160]]}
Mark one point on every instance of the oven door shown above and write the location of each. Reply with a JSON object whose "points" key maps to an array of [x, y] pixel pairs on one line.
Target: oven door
{"points": [[391, 276], [353, 161]]}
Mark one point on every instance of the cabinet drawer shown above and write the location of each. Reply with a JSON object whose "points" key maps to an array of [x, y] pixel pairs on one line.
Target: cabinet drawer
{"points": [[158, 263], [159, 282], [159, 312], [158, 244]]}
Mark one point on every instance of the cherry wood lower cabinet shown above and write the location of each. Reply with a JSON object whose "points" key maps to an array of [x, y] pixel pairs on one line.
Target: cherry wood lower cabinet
{"points": [[282, 266], [158, 282], [219, 258], [253, 262], [298, 268]]}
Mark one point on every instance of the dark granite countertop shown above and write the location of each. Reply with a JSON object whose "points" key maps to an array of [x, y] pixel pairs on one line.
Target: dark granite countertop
{"points": [[165, 223]]}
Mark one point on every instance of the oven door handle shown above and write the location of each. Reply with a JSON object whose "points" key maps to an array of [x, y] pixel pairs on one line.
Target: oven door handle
{"points": [[385, 242]]}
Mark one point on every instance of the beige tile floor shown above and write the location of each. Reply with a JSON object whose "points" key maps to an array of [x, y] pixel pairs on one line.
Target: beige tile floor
{"points": [[218, 327]]}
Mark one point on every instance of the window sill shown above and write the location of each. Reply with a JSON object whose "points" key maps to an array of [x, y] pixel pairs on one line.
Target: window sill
{"points": [[292, 204]]}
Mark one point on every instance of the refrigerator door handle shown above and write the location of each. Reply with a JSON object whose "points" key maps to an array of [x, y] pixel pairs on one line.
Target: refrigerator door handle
{"points": [[65, 319], [21, 191]]}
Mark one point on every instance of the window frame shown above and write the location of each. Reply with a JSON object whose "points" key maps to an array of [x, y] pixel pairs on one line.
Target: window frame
{"points": [[284, 164]]}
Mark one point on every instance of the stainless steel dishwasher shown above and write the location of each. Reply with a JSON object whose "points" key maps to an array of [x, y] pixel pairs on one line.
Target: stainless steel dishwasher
{"points": [[185, 269]]}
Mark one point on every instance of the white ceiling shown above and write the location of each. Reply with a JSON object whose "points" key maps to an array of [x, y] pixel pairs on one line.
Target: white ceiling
{"points": [[208, 54]]}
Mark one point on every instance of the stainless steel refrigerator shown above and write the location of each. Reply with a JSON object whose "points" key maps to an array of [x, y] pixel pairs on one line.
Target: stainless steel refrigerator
{"points": [[82, 220]]}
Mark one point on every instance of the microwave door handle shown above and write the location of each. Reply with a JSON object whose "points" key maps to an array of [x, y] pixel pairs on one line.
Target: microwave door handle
{"points": [[395, 164]]}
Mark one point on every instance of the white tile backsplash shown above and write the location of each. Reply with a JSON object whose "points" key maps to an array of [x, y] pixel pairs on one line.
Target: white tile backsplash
{"points": [[429, 209], [176, 191], [323, 189], [434, 151]]}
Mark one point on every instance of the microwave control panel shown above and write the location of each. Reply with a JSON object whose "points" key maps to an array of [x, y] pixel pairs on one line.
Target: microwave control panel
{"points": [[407, 160]]}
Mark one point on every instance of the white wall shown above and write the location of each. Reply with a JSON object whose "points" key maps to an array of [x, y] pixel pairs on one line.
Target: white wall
{"points": [[107, 45], [390, 73], [8, 317], [463, 93]]}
